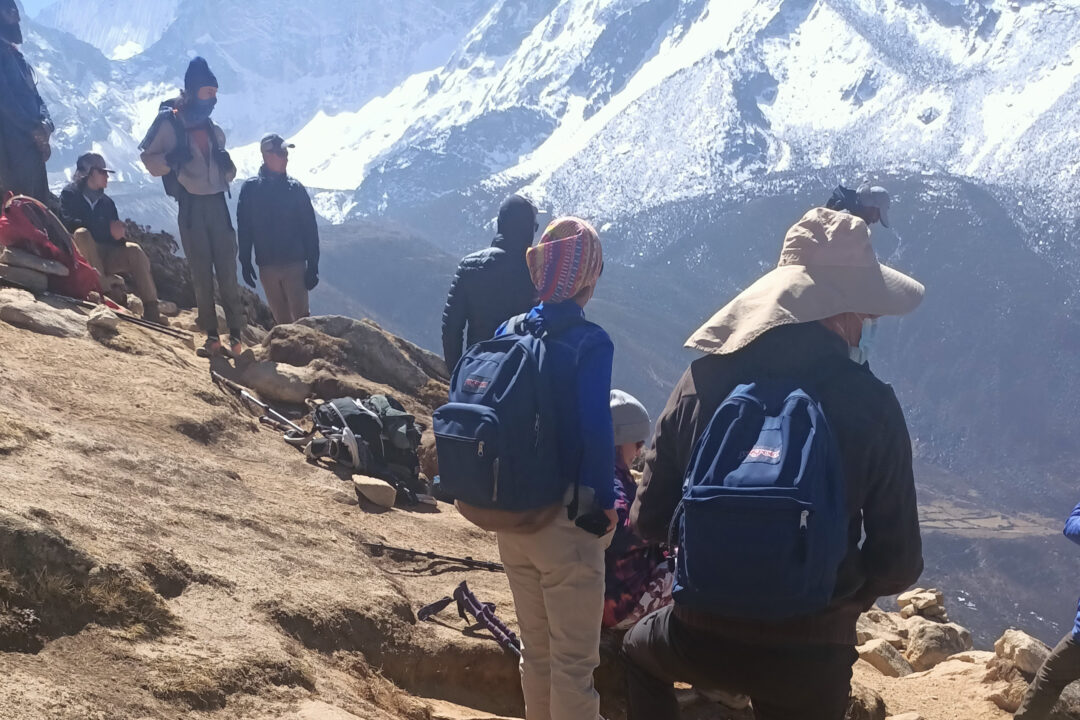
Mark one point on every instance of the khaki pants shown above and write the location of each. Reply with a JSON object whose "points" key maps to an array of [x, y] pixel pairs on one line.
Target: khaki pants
{"points": [[557, 578], [119, 259], [285, 291], [209, 240]]}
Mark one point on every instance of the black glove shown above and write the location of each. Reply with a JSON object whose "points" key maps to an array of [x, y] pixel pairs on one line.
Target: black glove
{"points": [[224, 160], [249, 275], [311, 277], [178, 158]]}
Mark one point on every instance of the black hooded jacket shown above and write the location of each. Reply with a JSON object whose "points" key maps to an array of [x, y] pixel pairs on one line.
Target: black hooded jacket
{"points": [[491, 285]]}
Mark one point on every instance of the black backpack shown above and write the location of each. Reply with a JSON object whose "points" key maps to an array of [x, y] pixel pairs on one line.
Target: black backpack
{"points": [[182, 151], [376, 437]]}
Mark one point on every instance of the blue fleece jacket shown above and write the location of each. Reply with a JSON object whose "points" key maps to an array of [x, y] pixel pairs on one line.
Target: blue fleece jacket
{"points": [[579, 357], [1072, 531]]}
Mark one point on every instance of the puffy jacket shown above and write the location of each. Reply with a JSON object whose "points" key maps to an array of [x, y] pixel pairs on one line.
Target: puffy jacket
{"points": [[76, 212], [875, 449], [208, 169], [1072, 531], [274, 215], [491, 285], [22, 110]]}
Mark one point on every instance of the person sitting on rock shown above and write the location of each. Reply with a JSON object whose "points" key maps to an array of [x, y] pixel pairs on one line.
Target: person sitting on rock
{"points": [[638, 575], [91, 216], [803, 323], [556, 573], [491, 285], [1062, 667], [869, 202], [25, 125], [274, 216]]}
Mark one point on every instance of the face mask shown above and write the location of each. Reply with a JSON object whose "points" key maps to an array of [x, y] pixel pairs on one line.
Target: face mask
{"points": [[861, 354], [199, 111]]}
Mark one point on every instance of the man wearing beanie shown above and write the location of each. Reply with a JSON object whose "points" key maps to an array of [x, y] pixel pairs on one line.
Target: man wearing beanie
{"points": [[493, 284], [25, 126], [556, 573], [186, 149]]}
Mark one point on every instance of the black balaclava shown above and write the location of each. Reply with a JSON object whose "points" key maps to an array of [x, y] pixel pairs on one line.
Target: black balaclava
{"points": [[517, 221], [10, 32], [198, 76]]}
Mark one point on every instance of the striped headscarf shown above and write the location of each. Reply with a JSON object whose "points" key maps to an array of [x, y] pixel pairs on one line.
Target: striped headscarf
{"points": [[567, 259]]}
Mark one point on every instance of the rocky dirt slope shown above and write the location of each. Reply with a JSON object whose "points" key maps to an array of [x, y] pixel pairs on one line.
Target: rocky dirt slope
{"points": [[162, 555]]}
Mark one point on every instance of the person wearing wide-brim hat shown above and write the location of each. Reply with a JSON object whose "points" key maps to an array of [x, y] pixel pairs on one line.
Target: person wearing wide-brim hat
{"points": [[810, 320]]}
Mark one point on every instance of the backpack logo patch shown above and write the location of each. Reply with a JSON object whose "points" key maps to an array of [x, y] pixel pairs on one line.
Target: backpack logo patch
{"points": [[476, 384], [763, 454]]}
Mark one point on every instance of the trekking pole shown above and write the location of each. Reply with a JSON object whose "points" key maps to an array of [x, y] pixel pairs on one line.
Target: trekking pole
{"points": [[379, 548], [246, 396], [468, 604]]}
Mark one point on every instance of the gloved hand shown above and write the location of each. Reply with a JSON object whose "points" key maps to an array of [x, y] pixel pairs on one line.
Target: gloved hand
{"points": [[224, 161], [311, 277], [178, 158], [248, 271]]}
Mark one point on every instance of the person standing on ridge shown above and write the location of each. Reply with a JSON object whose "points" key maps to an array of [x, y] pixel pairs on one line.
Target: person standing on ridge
{"points": [[186, 149], [785, 534], [91, 216], [1063, 665], [25, 125], [869, 202], [275, 217], [491, 285]]}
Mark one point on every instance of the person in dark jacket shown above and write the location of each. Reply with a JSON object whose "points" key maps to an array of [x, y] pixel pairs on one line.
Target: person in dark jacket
{"points": [[25, 125], [96, 229], [1062, 667], [805, 320], [275, 217], [869, 202], [491, 285]]}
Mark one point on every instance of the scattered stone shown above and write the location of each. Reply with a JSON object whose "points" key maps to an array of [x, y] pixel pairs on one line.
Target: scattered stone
{"points": [[372, 352], [103, 319], [919, 601], [1010, 697], [906, 716], [975, 657], [274, 382], [135, 305], [865, 704], [908, 611], [168, 308], [429, 456], [19, 308], [878, 625], [24, 259], [376, 491], [25, 277], [886, 658], [930, 643], [1026, 652]]}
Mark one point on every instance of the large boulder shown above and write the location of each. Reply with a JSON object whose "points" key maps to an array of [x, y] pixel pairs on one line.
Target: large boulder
{"points": [[19, 308], [879, 625], [370, 352], [886, 658], [1026, 652], [930, 643]]}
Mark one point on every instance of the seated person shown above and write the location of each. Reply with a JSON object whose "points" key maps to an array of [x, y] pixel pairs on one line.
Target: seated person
{"points": [[638, 575], [91, 217]]}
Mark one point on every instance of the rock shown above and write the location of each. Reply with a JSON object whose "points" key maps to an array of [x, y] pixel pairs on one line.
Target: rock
{"points": [[925, 601], [904, 599], [886, 658], [19, 308], [876, 624], [907, 611], [975, 657], [317, 710], [906, 716], [429, 456], [24, 259], [168, 308], [865, 704], [135, 305], [277, 383], [371, 352], [930, 643], [1009, 697], [31, 280], [376, 491], [102, 318], [1026, 652]]}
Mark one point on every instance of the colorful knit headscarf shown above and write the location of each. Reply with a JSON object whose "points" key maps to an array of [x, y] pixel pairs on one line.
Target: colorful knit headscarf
{"points": [[567, 259]]}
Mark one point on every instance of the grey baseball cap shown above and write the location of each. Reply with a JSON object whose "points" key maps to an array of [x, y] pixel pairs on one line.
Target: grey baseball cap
{"points": [[875, 196], [274, 143]]}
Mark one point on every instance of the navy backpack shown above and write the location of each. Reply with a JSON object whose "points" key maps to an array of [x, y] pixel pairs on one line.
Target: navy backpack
{"points": [[496, 438], [762, 526]]}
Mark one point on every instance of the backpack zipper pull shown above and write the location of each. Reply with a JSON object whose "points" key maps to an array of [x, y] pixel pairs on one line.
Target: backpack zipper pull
{"points": [[804, 520], [480, 449]]}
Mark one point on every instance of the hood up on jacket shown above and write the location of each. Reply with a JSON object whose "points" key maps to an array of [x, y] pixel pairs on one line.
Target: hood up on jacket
{"points": [[517, 224]]}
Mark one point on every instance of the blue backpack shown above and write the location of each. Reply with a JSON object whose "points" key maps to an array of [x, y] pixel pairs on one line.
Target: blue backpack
{"points": [[496, 438], [762, 526]]}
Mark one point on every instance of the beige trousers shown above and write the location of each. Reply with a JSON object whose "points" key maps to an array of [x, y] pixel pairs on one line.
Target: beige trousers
{"points": [[285, 291], [557, 578], [119, 259]]}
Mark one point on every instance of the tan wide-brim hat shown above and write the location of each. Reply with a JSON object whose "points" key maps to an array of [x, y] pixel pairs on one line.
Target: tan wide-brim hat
{"points": [[827, 267]]}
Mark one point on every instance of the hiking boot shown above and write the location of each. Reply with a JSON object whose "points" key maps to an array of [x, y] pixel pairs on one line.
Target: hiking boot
{"points": [[151, 313], [210, 348], [236, 347]]}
